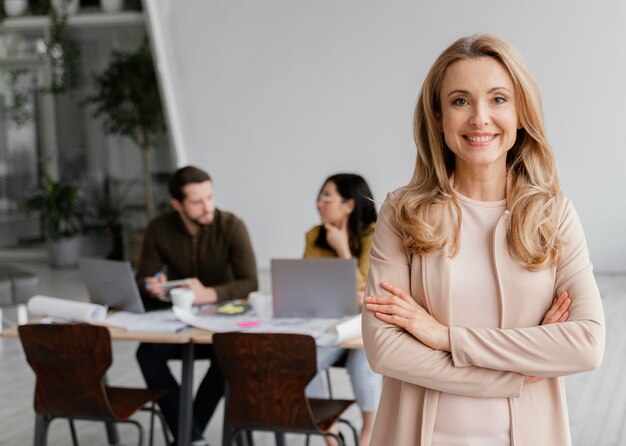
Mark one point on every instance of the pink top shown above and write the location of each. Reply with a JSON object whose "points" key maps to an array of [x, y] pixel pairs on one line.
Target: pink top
{"points": [[463, 420]]}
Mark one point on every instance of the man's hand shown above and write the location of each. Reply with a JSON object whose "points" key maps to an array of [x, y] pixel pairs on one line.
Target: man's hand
{"points": [[154, 285], [204, 295]]}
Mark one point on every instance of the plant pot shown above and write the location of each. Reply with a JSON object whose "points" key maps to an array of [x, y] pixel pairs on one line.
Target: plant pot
{"points": [[64, 253], [14, 8], [112, 5], [63, 7]]}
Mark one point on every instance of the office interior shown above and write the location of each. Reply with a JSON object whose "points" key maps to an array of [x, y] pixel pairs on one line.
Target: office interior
{"points": [[271, 97]]}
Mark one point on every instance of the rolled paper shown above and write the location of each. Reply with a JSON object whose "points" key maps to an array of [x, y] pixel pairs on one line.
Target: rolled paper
{"points": [[67, 309], [342, 331]]}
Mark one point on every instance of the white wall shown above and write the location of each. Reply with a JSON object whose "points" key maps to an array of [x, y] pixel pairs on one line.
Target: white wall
{"points": [[272, 96]]}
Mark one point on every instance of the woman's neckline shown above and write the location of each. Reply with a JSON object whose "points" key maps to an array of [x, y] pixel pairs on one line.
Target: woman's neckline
{"points": [[473, 201]]}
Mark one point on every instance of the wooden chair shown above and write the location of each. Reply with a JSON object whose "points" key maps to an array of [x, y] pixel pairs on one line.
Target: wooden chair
{"points": [[341, 362], [267, 374], [70, 362]]}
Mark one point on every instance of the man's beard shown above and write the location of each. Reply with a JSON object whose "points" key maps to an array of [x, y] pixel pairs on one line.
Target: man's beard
{"points": [[196, 221]]}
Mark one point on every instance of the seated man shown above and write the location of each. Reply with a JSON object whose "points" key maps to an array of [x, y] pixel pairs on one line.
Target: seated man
{"points": [[209, 247]]}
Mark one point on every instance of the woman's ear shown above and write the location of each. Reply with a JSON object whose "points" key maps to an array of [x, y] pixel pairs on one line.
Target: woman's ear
{"points": [[349, 206]]}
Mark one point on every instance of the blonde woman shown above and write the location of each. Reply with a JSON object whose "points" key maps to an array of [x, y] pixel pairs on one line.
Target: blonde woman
{"points": [[466, 262]]}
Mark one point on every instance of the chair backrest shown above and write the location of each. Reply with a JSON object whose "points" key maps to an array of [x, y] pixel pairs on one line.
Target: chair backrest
{"points": [[267, 375], [69, 361]]}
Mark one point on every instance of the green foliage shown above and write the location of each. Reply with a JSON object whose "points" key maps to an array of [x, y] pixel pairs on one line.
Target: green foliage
{"points": [[127, 96], [20, 109], [60, 208], [19, 105], [63, 53], [105, 207]]}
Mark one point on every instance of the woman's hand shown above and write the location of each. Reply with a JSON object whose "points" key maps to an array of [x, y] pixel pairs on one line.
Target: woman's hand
{"points": [[337, 238], [559, 311], [400, 309]]}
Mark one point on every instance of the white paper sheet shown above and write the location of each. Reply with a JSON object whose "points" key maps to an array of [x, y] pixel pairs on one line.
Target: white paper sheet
{"points": [[67, 309], [220, 324], [156, 321]]}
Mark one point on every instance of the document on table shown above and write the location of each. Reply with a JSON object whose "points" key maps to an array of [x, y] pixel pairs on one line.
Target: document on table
{"points": [[327, 332], [312, 326], [157, 321]]}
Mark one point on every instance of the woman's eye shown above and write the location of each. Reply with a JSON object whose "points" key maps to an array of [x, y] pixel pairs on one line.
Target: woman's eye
{"points": [[499, 100], [459, 102]]}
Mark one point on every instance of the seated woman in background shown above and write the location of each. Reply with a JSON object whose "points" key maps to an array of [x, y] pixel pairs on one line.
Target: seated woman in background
{"points": [[348, 215]]}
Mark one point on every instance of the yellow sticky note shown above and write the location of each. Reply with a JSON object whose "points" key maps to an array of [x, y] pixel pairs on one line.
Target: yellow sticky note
{"points": [[231, 309]]}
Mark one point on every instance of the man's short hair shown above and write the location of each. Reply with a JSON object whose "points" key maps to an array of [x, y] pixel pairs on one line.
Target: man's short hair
{"points": [[184, 176]]}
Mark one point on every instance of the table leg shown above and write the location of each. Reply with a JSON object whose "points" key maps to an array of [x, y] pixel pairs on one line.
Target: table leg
{"points": [[113, 435], [185, 405]]}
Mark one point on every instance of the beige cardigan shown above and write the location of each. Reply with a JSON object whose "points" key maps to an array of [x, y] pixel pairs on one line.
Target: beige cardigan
{"points": [[484, 362]]}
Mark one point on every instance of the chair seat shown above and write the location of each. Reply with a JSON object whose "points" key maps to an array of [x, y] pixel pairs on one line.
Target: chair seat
{"points": [[126, 401], [327, 412]]}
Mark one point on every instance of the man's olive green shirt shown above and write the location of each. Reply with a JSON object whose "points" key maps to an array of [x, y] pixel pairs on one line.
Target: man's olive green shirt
{"points": [[221, 256]]}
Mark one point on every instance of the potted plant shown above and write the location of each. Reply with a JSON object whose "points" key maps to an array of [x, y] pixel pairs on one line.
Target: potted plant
{"points": [[105, 209], [61, 212], [127, 96], [62, 52]]}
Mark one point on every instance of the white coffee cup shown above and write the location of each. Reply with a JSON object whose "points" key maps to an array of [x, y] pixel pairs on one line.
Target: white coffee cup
{"points": [[261, 304], [182, 298]]}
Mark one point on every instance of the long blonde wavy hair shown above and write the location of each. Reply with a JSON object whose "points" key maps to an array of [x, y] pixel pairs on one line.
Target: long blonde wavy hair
{"points": [[425, 205]]}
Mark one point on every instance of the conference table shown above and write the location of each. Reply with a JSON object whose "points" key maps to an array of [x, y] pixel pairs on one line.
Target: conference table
{"points": [[187, 339]]}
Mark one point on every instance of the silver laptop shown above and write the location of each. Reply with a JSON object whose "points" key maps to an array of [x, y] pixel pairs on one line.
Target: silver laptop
{"points": [[324, 288], [111, 283]]}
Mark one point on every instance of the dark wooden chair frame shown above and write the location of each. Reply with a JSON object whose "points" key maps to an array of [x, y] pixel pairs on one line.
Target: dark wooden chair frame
{"points": [[267, 374], [70, 362]]}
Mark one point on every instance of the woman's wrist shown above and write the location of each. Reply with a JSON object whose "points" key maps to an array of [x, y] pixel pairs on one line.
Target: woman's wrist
{"points": [[344, 253]]}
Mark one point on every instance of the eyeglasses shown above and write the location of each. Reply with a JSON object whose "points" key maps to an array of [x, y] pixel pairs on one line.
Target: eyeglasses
{"points": [[326, 198]]}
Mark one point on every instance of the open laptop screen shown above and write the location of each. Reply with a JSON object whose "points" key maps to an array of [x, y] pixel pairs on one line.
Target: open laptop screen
{"points": [[323, 287], [111, 283]]}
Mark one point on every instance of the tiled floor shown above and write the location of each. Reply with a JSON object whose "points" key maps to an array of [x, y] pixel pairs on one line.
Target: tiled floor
{"points": [[597, 400]]}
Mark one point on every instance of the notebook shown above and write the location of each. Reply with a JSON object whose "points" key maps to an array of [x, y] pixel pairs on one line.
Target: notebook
{"points": [[111, 283], [322, 288]]}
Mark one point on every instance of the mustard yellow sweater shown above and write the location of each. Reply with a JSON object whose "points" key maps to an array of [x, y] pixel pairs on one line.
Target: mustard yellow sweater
{"points": [[363, 261]]}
